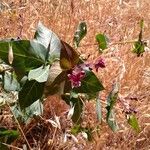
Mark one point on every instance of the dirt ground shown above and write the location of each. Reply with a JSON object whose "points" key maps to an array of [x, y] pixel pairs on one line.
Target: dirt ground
{"points": [[119, 23]]}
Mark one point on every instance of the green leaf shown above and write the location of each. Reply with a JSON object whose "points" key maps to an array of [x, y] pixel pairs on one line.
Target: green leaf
{"points": [[78, 108], [139, 48], [27, 55], [98, 108], [25, 115], [102, 41], [8, 136], [49, 39], [39, 74], [88, 131], [10, 82], [76, 129], [31, 91], [89, 84], [80, 33], [111, 101], [76, 118], [133, 122], [35, 109], [68, 56]]}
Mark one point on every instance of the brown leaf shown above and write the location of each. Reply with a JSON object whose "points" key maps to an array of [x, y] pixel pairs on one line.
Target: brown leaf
{"points": [[68, 56]]}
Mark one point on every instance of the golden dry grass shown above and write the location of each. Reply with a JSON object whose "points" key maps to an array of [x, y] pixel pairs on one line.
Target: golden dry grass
{"points": [[120, 23]]}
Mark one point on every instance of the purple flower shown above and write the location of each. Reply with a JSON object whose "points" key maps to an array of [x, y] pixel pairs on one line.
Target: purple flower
{"points": [[78, 72], [99, 64], [76, 75]]}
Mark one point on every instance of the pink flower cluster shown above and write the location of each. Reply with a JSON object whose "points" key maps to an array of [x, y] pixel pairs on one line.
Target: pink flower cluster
{"points": [[76, 76], [78, 72]]}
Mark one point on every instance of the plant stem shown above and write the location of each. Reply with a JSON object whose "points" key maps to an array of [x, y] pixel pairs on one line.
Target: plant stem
{"points": [[11, 146], [123, 42], [113, 43]]}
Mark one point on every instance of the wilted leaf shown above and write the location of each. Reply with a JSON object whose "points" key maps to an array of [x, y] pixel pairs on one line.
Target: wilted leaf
{"points": [[55, 123], [70, 113], [49, 39], [57, 119], [88, 131], [78, 107], [10, 82], [31, 92], [80, 33], [68, 56], [39, 74], [102, 41], [54, 71], [133, 122], [111, 101], [55, 81]]}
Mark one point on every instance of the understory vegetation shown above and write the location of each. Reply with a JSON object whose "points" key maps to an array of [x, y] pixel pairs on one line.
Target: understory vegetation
{"points": [[74, 77]]}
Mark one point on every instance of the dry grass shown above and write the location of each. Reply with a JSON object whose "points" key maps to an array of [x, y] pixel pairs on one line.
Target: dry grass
{"points": [[120, 23]]}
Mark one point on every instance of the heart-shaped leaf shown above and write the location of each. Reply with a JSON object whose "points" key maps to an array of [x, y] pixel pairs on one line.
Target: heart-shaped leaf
{"points": [[111, 101], [80, 33], [50, 40], [102, 41], [26, 55], [68, 56], [133, 122], [89, 84], [10, 82], [31, 92], [39, 74]]}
